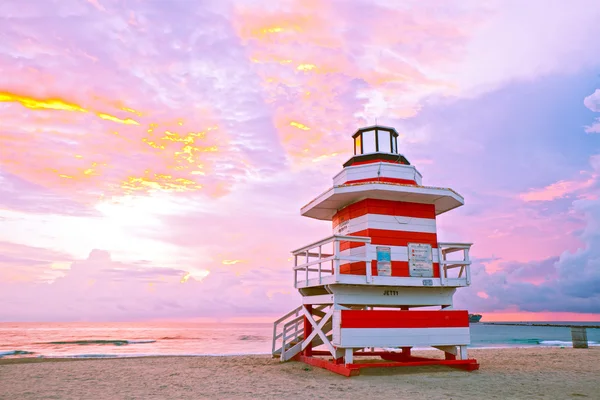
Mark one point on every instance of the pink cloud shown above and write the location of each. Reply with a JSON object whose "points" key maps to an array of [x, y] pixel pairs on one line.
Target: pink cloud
{"points": [[558, 190], [579, 187]]}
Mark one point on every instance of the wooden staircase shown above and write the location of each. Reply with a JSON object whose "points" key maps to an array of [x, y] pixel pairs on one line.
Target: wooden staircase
{"points": [[288, 333]]}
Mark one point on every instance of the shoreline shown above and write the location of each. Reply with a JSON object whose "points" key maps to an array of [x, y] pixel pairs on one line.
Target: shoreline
{"points": [[109, 356], [547, 372], [8, 360]]}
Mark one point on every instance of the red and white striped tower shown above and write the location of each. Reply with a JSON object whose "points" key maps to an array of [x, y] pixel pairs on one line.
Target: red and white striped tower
{"points": [[364, 288]]}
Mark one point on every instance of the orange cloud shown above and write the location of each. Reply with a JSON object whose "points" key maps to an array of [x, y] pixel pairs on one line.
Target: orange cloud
{"points": [[57, 105], [97, 158], [334, 81]]}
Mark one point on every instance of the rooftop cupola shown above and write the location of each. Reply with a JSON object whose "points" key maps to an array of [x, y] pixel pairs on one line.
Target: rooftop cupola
{"points": [[376, 143]]}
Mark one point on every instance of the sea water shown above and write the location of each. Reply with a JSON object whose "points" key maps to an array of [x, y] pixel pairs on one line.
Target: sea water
{"points": [[101, 340]]}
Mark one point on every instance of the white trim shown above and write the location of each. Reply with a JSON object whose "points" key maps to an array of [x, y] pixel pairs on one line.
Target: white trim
{"points": [[385, 170], [397, 337], [375, 295], [388, 223], [336, 327], [383, 281], [318, 299]]}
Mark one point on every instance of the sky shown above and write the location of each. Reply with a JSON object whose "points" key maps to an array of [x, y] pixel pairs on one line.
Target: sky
{"points": [[154, 155]]}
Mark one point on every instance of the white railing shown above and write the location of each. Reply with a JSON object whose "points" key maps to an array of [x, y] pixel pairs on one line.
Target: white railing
{"points": [[454, 269], [292, 330], [323, 258]]}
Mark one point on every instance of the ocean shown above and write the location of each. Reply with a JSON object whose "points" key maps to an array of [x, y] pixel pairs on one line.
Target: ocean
{"points": [[105, 340]]}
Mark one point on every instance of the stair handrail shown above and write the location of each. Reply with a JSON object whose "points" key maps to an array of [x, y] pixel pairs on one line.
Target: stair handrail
{"points": [[276, 336]]}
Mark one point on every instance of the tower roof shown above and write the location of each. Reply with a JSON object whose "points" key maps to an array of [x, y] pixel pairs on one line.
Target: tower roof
{"points": [[327, 204]]}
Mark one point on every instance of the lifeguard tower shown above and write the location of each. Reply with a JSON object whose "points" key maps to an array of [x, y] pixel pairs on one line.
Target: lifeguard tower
{"points": [[364, 288]]}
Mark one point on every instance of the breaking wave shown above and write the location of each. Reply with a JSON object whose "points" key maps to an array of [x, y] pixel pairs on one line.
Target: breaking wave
{"points": [[252, 337], [15, 353], [102, 342]]}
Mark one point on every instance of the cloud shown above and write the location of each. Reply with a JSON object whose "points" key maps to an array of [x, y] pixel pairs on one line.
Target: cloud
{"points": [[513, 44], [593, 103], [584, 186], [152, 118], [560, 189], [321, 68], [569, 282], [20, 195], [99, 288], [23, 263]]}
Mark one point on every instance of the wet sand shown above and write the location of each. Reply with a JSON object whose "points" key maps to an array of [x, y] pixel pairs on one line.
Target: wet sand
{"points": [[533, 373]]}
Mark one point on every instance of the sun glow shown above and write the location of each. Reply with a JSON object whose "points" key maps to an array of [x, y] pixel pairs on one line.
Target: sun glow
{"points": [[59, 105], [126, 121], [299, 126], [231, 262], [275, 29], [198, 276], [324, 156], [306, 67]]}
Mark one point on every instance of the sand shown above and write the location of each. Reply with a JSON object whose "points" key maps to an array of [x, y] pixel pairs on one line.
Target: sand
{"points": [[540, 373]]}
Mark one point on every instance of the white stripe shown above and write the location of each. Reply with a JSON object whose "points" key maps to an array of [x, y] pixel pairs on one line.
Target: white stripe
{"points": [[398, 253], [386, 222], [375, 170], [397, 337]]}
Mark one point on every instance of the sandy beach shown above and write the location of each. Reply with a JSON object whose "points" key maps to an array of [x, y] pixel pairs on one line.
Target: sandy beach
{"points": [[549, 373]]}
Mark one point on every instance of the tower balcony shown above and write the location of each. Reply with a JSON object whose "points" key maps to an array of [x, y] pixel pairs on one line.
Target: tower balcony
{"points": [[325, 262]]}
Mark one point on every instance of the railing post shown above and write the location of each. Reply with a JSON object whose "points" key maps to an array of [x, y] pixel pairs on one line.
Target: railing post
{"points": [[320, 263], [442, 264], [295, 271], [274, 336], [336, 258], [283, 339], [306, 267], [368, 263], [466, 259]]}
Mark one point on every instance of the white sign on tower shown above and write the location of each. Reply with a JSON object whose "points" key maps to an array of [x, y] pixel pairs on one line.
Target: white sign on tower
{"points": [[420, 260]]}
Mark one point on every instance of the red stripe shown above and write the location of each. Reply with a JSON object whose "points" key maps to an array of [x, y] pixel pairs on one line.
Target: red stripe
{"points": [[384, 207], [374, 162], [399, 269], [384, 179], [404, 319], [386, 237]]}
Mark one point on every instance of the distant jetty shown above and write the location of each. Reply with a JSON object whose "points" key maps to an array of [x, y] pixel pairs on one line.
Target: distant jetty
{"points": [[543, 324]]}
